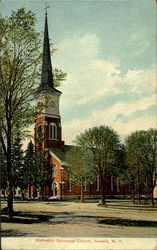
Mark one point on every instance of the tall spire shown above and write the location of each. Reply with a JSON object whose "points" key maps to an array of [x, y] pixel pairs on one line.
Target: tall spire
{"points": [[47, 81], [46, 73]]}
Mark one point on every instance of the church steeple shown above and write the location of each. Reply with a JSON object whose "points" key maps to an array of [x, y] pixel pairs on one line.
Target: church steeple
{"points": [[47, 80], [48, 121]]}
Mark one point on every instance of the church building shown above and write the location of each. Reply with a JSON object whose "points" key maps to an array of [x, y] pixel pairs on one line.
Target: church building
{"points": [[49, 125]]}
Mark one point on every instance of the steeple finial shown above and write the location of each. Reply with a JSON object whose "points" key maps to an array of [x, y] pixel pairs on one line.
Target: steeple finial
{"points": [[46, 7]]}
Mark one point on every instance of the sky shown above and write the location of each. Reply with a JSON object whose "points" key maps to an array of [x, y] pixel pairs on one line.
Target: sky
{"points": [[108, 50]]}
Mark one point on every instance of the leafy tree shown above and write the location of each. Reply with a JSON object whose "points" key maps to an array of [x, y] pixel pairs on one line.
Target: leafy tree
{"points": [[20, 164], [43, 168], [128, 177], [19, 62], [43, 174], [142, 157], [119, 170], [126, 174], [135, 176], [102, 144], [29, 166], [79, 167], [37, 166], [20, 58]]}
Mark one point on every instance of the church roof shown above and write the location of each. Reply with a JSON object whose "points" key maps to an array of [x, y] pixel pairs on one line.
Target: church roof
{"points": [[61, 154], [47, 80]]}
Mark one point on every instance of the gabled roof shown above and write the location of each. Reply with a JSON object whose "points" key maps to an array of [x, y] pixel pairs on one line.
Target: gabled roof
{"points": [[61, 154]]}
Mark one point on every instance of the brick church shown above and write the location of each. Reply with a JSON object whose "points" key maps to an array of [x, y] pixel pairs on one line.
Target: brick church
{"points": [[48, 123]]}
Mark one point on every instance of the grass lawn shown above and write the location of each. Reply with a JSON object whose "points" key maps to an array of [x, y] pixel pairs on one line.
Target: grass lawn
{"points": [[74, 219]]}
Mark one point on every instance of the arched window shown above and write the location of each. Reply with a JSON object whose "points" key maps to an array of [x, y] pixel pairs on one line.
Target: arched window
{"points": [[54, 171], [53, 131]]}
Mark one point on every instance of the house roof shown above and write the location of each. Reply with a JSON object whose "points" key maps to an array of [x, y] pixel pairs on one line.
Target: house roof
{"points": [[61, 154]]}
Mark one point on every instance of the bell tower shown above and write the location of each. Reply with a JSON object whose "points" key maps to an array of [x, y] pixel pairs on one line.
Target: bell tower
{"points": [[48, 123]]}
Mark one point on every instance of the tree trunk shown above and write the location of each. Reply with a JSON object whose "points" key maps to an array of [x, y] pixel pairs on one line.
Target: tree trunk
{"points": [[139, 195], [7, 151], [138, 184], [10, 176], [61, 193], [82, 197], [4, 195], [124, 191], [34, 191], [42, 193], [103, 190], [133, 195], [151, 193], [152, 198]]}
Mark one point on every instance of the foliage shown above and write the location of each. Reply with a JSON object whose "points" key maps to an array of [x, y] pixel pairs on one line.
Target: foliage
{"points": [[79, 168], [102, 145], [17, 161], [42, 162], [78, 165], [21, 49], [119, 168], [19, 69], [29, 165], [59, 76], [43, 170], [38, 171], [20, 64], [142, 157]]}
